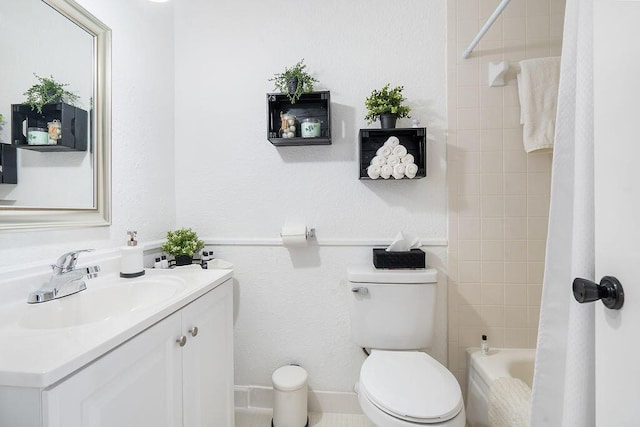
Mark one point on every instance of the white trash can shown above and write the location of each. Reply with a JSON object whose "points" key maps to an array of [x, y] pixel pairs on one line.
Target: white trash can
{"points": [[290, 397]]}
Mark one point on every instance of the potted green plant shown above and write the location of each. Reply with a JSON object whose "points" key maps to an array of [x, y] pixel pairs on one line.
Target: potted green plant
{"points": [[182, 244], [386, 104], [294, 81], [48, 91]]}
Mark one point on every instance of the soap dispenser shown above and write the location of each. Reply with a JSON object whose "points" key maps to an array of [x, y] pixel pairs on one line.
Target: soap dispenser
{"points": [[131, 261]]}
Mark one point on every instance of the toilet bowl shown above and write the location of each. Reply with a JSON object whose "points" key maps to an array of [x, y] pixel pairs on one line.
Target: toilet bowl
{"points": [[409, 388], [400, 386]]}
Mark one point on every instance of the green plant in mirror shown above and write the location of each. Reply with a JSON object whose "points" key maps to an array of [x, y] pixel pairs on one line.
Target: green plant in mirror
{"points": [[48, 91], [184, 241], [294, 81], [386, 101]]}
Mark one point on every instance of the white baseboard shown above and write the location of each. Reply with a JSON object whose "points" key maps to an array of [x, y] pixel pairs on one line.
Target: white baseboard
{"points": [[319, 401]]}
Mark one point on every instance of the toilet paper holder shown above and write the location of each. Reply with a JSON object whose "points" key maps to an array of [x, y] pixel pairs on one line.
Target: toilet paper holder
{"points": [[309, 233]]}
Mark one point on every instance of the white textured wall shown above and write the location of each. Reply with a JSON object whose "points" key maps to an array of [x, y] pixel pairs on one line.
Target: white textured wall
{"points": [[143, 169], [232, 183]]}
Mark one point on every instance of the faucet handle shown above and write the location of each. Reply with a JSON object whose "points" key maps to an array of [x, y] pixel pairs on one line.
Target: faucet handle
{"points": [[67, 262]]}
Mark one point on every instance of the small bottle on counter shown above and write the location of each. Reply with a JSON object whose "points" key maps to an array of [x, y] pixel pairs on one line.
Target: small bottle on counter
{"points": [[164, 263], [157, 264], [484, 346]]}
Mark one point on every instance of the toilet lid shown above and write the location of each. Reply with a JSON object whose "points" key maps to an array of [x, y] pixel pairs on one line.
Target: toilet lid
{"points": [[411, 386]]}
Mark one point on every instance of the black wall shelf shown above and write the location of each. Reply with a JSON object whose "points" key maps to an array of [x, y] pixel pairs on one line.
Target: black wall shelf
{"points": [[414, 140], [312, 105], [74, 122], [9, 164]]}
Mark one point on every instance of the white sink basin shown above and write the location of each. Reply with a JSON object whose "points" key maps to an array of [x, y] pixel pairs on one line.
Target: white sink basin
{"points": [[100, 304], [50, 340]]}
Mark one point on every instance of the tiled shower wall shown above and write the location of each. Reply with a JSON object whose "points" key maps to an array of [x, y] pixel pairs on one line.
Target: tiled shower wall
{"points": [[498, 194]]}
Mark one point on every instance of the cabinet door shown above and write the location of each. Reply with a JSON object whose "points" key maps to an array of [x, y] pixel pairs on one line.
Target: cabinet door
{"points": [[136, 385], [208, 359]]}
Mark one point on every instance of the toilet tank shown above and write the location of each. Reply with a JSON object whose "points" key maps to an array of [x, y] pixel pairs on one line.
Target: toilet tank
{"points": [[392, 309]]}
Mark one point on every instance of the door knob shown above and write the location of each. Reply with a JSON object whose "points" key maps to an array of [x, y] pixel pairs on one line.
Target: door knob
{"points": [[182, 341], [193, 331], [609, 291]]}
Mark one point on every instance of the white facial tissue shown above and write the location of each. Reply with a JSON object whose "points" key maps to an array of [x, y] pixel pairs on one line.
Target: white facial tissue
{"points": [[403, 243]]}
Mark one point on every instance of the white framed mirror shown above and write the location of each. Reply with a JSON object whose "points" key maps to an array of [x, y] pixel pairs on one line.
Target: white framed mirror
{"points": [[73, 189]]}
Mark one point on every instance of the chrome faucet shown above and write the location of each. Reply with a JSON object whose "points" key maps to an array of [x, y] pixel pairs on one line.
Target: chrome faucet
{"points": [[65, 279]]}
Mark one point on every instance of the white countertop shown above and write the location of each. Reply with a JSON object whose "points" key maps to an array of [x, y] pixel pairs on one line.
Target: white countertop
{"points": [[39, 357]]}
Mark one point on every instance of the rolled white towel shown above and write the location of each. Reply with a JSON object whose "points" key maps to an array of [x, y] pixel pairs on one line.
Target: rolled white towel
{"points": [[411, 170], [392, 142], [393, 160], [400, 151], [408, 159], [383, 151], [378, 161], [398, 171], [386, 171], [374, 171]]}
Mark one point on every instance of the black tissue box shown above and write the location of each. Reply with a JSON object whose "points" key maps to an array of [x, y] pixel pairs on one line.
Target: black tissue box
{"points": [[415, 258]]}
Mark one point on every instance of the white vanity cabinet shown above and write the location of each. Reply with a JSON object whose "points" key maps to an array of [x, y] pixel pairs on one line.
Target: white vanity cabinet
{"points": [[178, 372]]}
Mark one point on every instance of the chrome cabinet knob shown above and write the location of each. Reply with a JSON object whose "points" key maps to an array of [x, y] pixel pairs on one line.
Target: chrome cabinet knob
{"points": [[182, 341], [193, 331]]}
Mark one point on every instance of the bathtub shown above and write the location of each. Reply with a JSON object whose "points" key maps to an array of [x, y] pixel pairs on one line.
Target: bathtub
{"points": [[483, 370]]}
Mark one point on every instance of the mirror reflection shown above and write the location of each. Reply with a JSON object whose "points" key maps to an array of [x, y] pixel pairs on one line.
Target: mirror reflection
{"points": [[37, 40]]}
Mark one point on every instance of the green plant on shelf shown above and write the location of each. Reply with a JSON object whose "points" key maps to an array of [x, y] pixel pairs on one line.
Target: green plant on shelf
{"points": [[294, 81], [386, 101], [48, 91]]}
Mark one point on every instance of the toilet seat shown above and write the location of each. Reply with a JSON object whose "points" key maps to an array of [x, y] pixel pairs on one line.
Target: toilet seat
{"points": [[411, 386]]}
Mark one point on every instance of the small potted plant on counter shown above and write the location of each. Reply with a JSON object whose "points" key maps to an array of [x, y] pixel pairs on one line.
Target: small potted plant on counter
{"points": [[48, 91], [182, 244], [294, 81], [386, 104]]}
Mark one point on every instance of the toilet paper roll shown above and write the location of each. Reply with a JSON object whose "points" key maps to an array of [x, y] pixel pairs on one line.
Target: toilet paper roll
{"points": [[294, 236]]}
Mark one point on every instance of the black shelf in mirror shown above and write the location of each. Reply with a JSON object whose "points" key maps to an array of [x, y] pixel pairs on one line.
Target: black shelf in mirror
{"points": [[73, 123]]}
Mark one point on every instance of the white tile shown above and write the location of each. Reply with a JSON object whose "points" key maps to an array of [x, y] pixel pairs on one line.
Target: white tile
{"points": [[514, 28], [515, 273], [469, 140], [491, 163], [491, 117], [468, 97], [468, 118], [491, 184], [537, 28], [492, 228], [492, 250], [492, 140], [537, 7]]}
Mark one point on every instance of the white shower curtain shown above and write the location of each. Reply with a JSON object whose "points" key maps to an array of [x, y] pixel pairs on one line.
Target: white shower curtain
{"points": [[563, 385]]}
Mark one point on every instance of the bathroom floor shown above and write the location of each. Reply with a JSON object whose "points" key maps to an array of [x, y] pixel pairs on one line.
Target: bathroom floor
{"points": [[262, 418]]}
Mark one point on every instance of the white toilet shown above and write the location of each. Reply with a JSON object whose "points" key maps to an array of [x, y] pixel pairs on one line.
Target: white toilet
{"points": [[392, 315]]}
